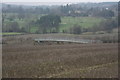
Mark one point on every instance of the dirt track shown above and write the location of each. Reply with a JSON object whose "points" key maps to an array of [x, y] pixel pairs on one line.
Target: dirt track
{"points": [[23, 59]]}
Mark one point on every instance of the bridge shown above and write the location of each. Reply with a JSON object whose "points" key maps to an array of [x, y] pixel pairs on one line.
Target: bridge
{"points": [[41, 40]]}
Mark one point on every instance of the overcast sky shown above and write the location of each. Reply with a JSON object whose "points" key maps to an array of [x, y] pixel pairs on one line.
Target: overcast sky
{"points": [[59, 0], [51, 2]]}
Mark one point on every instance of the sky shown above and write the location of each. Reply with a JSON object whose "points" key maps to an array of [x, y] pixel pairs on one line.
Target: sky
{"points": [[51, 2], [60, 0]]}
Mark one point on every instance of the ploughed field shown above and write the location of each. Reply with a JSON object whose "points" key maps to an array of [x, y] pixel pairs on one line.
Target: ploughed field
{"points": [[60, 60]]}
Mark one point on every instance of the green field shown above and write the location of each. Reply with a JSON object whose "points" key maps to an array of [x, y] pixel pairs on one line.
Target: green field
{"points": [[85, 22], [33, 29], [66, 22], [10, 33]]}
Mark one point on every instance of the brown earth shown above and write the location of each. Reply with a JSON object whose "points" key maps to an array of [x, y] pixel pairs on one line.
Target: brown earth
{"points": [[26, 60]]}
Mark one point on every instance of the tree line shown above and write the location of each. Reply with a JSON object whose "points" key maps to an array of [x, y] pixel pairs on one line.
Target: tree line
{"points": [[50, 24], [51, 18], [74, 10]]}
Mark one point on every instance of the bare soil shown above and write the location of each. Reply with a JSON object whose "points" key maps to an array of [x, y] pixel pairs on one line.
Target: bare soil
{"points": [[23, 59]]}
